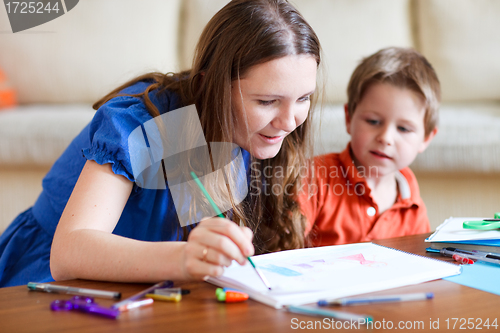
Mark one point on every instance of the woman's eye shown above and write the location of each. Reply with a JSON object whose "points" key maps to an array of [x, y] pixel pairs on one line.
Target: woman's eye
{"points": [[262, 102], [305, 98]]}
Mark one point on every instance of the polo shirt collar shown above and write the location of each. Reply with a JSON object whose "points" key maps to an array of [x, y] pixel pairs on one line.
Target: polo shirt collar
{"points": [[403, 186]]}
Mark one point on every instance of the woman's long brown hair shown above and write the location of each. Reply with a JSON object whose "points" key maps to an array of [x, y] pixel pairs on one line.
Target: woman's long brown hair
{"points": [[243, 34]]}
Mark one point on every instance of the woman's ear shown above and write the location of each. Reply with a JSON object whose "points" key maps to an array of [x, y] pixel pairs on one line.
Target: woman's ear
{"points": [[427, 140], [347, 119]]}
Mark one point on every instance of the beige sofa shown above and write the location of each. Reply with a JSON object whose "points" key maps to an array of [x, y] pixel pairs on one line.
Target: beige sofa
{"points": [[60, 68]]}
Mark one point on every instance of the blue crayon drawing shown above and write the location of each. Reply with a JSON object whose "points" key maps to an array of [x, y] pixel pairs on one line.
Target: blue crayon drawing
{"points": [[281, 270]]}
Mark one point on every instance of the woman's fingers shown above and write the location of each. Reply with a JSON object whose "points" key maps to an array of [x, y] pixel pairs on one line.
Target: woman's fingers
{"points": [[249, 234], [198, 268], [214, 257], [225, 238], [201, 260], [215, 243]]}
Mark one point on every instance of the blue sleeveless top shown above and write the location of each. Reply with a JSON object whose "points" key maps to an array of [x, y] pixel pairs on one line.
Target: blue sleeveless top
{"points": [[149, 215]]}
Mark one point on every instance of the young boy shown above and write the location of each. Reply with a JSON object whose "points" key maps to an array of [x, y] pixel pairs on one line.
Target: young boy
{"points": [[367, 191]]}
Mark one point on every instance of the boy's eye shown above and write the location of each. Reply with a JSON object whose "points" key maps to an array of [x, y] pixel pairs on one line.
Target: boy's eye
{"points": [[403, 129], [263, 102], [372, 121]]}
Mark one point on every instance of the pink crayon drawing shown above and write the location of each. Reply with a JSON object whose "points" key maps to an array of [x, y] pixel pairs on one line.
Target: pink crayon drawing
{"points": [[361, 259]]}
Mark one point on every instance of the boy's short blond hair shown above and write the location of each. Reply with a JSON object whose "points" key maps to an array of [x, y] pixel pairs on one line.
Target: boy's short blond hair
{"points": [[401, 67]]}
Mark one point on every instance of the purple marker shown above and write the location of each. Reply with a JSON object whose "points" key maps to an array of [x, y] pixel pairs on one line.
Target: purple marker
{"points": [[84, 304]]}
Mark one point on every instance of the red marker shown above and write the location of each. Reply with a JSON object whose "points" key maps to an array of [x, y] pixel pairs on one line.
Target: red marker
{"points": [[462, 260]]}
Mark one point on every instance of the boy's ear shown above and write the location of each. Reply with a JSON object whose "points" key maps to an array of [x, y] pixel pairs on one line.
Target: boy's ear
{"points": [[347, 119], [428, 140]]}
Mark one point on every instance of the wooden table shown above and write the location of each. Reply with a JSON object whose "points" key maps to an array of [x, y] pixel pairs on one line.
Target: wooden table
{"points": [[28, 311]]}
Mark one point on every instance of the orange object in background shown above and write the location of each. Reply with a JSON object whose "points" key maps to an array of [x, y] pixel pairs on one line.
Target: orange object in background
{"points": [[235, 296], [7, 93], [230, 296]]}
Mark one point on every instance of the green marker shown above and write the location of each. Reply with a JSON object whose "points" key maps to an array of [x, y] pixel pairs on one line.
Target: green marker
{"points": [[219, 214], [207, 195]]}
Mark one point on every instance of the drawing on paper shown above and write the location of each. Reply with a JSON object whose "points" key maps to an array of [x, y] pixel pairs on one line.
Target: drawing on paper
{"points": [[361, 259], [281, 270]]}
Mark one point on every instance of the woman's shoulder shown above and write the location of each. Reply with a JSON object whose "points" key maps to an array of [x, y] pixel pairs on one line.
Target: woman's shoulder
{"points": [[128, 108], [131, 98], [109, 137]]}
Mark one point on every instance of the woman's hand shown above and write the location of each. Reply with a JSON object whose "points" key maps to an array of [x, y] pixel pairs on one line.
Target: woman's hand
{"points": [[213, 244]]}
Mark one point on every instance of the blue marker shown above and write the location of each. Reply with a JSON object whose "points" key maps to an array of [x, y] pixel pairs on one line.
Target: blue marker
{"points": [[377, 299], [340, 315]]}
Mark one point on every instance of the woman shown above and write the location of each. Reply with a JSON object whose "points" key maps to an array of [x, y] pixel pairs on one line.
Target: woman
{"points": [[252, 80]]}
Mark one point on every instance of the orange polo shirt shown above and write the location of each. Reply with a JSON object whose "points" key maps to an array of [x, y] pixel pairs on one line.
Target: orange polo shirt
{"points": [[340, 209]]}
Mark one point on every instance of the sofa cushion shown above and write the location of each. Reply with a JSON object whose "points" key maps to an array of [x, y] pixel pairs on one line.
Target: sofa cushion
{"points": [[468, 139], [348, 31], [461, 39], [195, 15], [91, 49], [35, 136]]}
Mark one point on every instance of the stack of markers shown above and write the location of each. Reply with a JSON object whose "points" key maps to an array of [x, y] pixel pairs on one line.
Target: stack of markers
{"points": [[230, 295]]}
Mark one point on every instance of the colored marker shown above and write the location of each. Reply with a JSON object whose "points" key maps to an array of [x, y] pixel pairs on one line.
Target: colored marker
{"points": [[473, 255], [169, 291], [84, 304], [377, 299], [163, 284], [260, 274], [169, 298], [136, 304], [219, 214], [463, 260], [341, 315], [52, 288], [230, 296], [456, 257]]}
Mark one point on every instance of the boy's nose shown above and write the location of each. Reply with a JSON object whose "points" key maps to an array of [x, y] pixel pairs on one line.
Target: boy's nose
{"points": [[386, 135]]}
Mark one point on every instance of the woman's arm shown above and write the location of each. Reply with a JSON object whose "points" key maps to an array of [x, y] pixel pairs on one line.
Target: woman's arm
{"points": [[84, 246]]}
